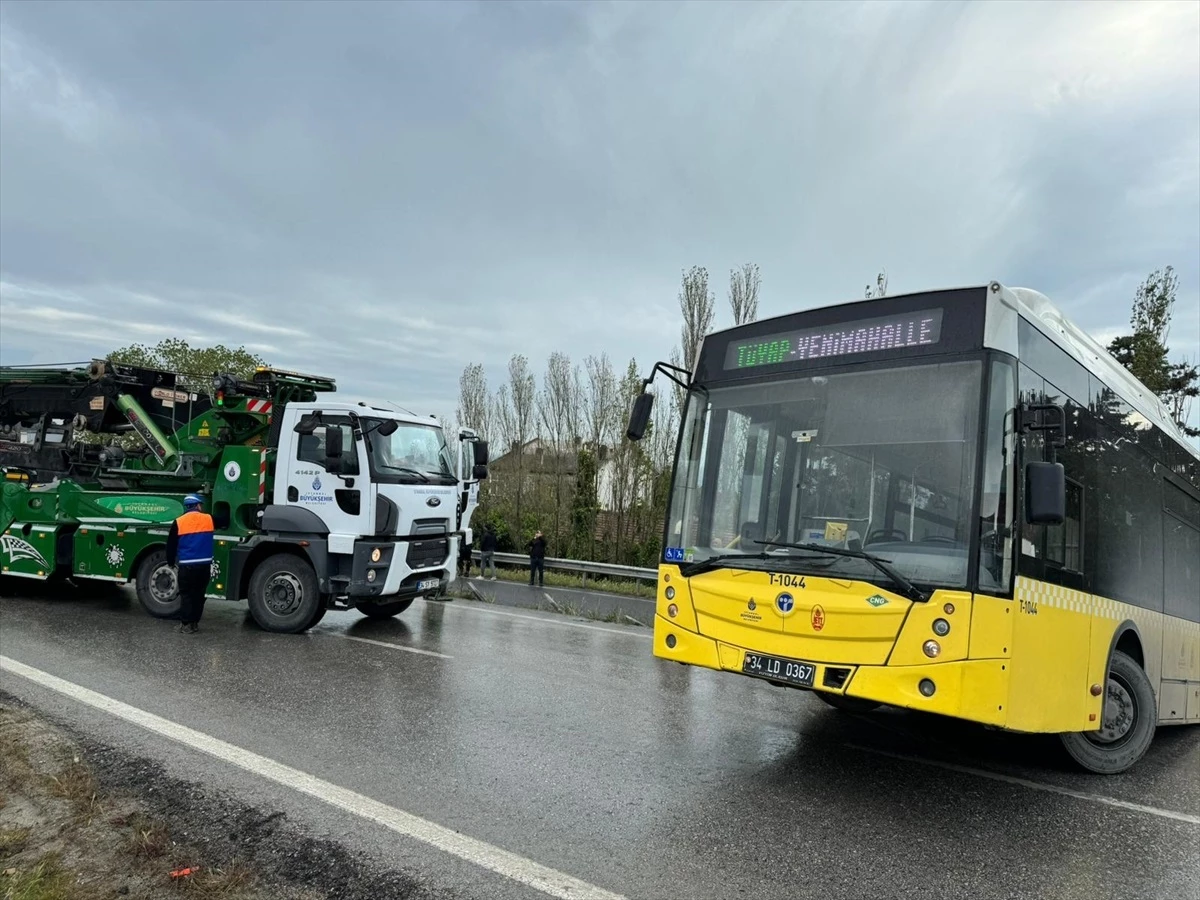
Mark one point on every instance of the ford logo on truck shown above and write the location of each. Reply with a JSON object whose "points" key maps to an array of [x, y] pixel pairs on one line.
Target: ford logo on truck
{"points": [[434, 501]]}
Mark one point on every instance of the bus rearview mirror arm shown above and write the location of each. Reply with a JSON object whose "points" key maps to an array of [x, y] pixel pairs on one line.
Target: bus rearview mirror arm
{"points": [[639, 418]]}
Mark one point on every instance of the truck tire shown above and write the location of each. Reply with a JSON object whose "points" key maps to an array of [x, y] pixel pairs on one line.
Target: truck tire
{"points": [[158, 586], [847, 704], [384, 610], [1127, 723], [284, 595]]}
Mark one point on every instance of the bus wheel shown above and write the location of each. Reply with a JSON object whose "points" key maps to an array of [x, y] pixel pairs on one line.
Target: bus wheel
{"points": [[1127, 722], [384, 610], [847, 704], [157, 586], [284, 594]]}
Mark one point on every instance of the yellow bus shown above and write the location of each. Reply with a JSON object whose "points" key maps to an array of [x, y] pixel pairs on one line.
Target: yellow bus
{"points": [[953, 501]]}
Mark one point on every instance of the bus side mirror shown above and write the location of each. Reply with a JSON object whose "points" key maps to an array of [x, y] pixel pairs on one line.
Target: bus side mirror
{"points": [[640, 417], [1045, 493]]}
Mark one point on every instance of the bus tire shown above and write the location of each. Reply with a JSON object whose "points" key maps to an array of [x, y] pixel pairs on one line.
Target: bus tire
{"points": [[384, 610], [1127, 721], [284, 595], [847, 704], [158, 586]]}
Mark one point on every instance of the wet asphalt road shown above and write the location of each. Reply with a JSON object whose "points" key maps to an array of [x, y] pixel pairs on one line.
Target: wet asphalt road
{"points": [[569, 744]]}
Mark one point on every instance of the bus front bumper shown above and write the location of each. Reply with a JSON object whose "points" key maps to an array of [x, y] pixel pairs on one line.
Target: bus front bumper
{"points": [[973, 689]]}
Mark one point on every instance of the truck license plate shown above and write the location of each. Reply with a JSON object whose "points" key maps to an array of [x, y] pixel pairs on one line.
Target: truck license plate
{"points": [[428, 584], [790, 671]]}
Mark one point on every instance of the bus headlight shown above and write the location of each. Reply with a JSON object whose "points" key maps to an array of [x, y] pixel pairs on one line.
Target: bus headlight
{"points": [[672, 610], [670, 593], [932, 649], [941, 627]]}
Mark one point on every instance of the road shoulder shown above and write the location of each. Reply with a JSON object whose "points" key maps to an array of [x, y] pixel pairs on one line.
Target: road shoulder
{"points": [[82, 819]]}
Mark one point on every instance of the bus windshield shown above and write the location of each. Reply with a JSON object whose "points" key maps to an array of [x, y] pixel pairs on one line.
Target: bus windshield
{"points": [[881, 461]]}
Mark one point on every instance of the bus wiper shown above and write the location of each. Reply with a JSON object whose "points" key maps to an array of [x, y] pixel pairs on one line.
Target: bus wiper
{"points": [[687, 570], [882, 565]]}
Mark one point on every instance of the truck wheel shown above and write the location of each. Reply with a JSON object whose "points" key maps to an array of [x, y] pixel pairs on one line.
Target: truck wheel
{"points": [[384, 610], [847, 704], [317, 617], [284, 594], [158, 586], [1127, 722]]}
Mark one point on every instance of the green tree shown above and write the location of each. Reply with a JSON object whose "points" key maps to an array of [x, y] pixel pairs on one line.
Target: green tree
{"points": [[1145, 352], [176, 355], [585, 506]]}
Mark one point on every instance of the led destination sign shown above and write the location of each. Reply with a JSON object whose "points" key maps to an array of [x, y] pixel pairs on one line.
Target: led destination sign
{"points": [[918, 329]]}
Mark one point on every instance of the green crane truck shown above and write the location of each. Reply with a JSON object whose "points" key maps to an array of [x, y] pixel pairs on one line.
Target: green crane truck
{"points": [[320, 502]]}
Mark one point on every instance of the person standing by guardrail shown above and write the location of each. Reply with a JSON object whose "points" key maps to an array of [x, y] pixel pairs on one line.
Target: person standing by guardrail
{"points": [[537, 559], [487, 553]]}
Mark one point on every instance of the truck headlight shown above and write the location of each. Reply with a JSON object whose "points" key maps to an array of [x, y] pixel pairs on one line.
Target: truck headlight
{"points": [[370, 575], [376, 554]]}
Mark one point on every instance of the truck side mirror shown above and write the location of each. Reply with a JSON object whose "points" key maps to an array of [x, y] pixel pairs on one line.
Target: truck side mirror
{"points": [[388, 428], [480, 451], [334, 449], [479, 473], [640, 417], [308, 423], [1045, 493]]}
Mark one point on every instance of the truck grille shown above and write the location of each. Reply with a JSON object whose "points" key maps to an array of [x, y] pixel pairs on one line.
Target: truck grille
{"points": [[424, 554]]}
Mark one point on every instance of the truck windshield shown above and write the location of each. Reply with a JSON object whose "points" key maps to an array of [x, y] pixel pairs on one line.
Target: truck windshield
{"points": [[880, 460], [411, 453]]}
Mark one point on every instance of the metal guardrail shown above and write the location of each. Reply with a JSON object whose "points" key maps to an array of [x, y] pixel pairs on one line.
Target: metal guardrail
{"points": [[580, 567]]}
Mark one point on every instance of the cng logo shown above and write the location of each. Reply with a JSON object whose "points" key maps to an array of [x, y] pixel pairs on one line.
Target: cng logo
{"points": [[785, 603]]}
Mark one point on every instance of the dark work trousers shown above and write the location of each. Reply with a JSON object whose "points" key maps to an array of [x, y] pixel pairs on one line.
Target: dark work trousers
{"points": [[536, 564], [193, 582]]}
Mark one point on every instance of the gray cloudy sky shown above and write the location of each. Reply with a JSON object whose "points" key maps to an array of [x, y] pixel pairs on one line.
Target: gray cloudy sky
{"points": [[387, 191]]}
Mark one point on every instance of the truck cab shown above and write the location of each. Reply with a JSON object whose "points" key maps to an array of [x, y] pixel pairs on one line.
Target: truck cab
{"points": [[367, 510]]}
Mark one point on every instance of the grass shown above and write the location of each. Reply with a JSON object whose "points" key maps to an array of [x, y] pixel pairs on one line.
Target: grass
{"points": [[45, 880], [13, 841], [77, 786], [218, 884], [147, 839], [554, 578]]}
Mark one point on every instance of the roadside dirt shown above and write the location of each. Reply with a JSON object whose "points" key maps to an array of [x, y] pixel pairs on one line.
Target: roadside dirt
{"points": [[83, 821]]}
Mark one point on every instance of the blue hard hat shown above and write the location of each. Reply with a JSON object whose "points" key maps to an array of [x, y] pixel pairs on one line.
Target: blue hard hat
{"points": [[193, 500]]}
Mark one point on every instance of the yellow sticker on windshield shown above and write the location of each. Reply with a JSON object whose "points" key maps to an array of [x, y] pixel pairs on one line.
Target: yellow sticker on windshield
{"points": [[835, 531]]}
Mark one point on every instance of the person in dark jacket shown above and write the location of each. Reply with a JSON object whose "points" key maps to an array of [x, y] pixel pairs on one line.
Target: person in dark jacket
{"points": [[190, 552], [537, 559], [487, 553]]}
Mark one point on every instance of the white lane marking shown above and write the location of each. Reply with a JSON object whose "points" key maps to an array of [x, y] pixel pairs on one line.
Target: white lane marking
{"points": [[502, 862], [1037, 785], [364, 640], [548, 621]]}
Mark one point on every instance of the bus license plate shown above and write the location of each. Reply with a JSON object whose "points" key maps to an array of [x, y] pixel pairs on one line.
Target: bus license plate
{"points": [[428, 584], [786, 670]]}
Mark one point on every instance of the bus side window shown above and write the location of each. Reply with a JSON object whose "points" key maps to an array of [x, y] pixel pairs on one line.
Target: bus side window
{"points": [[1064, 543]]}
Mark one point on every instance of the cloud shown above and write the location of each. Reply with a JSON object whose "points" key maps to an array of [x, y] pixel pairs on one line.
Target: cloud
{"points": [[396, 190]]}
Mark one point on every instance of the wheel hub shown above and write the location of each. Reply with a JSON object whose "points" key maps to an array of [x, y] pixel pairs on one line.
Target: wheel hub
{"points": [[284, 594], [162, 584], [1120, 711]]}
